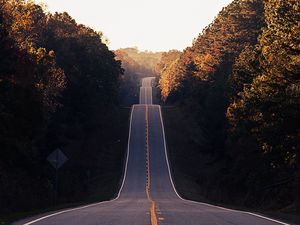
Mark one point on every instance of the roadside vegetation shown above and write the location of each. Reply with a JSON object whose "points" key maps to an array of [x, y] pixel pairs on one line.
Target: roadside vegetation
{"points": [[234, 98], [231, 108], [137, 64], [59, 88]]}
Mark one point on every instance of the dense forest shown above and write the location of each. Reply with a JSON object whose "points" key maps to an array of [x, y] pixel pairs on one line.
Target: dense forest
{"points": [[232, 107], [137, 64], [146, 60], [238, 89], [59, 86]]}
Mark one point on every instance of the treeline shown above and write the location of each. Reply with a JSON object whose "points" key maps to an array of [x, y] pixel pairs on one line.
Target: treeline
{"points": [[145, 60], [239, 84], [137, 64], [59, 87]]}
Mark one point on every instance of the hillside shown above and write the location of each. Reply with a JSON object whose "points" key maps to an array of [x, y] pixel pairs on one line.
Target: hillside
{"points": [[136, 64], [59, 88], [237, 90]]}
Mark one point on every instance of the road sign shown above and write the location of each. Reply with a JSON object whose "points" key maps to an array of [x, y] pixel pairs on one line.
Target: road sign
{"points": [[57, 158]]}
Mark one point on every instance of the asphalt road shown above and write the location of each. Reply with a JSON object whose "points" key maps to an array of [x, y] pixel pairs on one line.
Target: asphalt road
{"points": [[146, 91], [147, 195]]}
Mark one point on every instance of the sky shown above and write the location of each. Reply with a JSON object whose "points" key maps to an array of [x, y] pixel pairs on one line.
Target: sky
{"points": [[154, 25]]}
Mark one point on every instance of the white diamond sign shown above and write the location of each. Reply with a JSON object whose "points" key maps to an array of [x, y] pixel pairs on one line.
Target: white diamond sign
{"points": [[57, 158]]}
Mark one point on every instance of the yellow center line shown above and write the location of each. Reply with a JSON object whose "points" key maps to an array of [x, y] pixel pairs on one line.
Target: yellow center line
{"points": [[152, 207]]}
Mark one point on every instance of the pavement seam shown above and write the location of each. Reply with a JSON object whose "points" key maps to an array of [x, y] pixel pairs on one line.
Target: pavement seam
{"points": [[154, 220]]}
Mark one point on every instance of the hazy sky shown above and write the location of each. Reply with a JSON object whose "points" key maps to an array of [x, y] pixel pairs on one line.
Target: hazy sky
{"points": [[148, 24]]}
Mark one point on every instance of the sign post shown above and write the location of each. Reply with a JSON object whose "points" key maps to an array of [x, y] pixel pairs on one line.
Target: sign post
{"points": [[57, 158]]}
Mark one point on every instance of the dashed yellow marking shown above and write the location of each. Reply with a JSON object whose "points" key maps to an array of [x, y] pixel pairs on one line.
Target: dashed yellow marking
{"points": [[152, 206]]}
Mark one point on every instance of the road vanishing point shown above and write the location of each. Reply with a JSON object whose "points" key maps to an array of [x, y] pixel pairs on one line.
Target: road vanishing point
{"points": [[147, 195]]}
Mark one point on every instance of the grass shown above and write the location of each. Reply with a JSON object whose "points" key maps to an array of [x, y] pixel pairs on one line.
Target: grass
{"points": [[185, 157]]}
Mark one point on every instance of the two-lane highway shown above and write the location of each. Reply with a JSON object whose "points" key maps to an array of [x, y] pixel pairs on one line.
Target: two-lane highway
{"points": [[147, 195], [146, 91]]}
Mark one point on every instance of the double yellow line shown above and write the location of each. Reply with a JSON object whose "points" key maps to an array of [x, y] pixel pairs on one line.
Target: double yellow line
{"points": [[148, 180]]}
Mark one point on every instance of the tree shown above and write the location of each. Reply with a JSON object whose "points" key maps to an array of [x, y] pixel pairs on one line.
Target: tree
{"points": [[267, 108], [59, 84], [240, 84]]}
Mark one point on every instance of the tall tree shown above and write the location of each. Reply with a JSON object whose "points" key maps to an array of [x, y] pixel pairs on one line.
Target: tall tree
{"points": [[267, 108], [58, 84]]}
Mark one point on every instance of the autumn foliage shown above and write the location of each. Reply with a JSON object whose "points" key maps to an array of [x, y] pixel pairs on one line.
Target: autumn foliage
{"points": [[59, 84], [240, 84], [137, 64]]}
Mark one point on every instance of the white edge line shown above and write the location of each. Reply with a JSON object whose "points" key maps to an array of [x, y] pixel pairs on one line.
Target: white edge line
{"points": [[145, 95], [99, 203], [151, 96], [145, 86], [201, 203], [140, 101]]}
